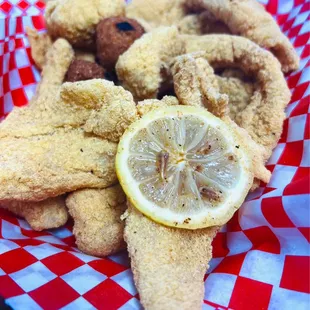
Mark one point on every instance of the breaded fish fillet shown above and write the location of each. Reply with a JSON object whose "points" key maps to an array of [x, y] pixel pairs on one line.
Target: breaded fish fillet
{"points": [[98, 228], [46, 214], [168, 264], [111, 108], [42, 166], [40, 44], [145, 65]]}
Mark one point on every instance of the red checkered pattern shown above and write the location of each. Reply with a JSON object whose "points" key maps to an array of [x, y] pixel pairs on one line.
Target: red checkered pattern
{"points": [[261, 257]]}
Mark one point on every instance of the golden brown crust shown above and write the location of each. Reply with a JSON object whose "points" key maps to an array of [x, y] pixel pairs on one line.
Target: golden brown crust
{"points": [[263, 119], [239, 89], [168, 264], [98, 228], [249, 19], [40, 44], [76, 20], [46, 214], [145, 65], [112, 107], [50, 154], [38, 167], [195, 84]]}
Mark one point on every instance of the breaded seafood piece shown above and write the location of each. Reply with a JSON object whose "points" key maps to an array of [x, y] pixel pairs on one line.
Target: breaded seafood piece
{"points": [[98, 229], [45, 112], [264, 115], [195, 84], [112, 107], [51, 154], [37, 167], [249, 19], [46, 214], [145, 65], [76, 20], [156, 13], [168, 264], [40, 44]]}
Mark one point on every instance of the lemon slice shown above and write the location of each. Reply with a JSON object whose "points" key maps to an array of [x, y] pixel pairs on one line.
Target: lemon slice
{"points": [[183, 167]]}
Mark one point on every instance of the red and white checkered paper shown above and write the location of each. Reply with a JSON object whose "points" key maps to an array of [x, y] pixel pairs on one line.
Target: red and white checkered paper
{"points": [[260, 259]]}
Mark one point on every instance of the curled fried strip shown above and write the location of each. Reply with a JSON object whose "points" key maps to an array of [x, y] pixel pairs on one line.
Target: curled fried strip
{"points": [[249, 19], [263, 117]]}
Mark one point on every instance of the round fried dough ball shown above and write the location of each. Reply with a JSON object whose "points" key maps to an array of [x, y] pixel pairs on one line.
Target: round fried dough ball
{"points": [[114, 36], [81, 70]]}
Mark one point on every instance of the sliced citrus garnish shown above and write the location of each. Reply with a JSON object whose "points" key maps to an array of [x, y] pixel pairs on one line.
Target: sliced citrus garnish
{"points": [[183, 167]]}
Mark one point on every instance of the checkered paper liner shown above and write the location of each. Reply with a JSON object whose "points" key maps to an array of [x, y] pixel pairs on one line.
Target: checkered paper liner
{"points": [[260, 258]]}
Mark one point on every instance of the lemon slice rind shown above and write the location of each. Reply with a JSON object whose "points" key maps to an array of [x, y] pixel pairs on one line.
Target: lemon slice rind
{"points": [[193, 219]]}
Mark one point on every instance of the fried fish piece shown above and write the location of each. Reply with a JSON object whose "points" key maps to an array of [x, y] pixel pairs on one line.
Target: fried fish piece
{"points": [[45, 112], [98, 228], [41, 166], [40, 44], [145, 65], [168, 264], [46, 214], [76, 20], [263, 117], [249, 19], [51, 154], [112, 107]]}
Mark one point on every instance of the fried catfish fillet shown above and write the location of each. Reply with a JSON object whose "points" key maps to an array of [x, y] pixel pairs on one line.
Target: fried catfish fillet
{"points": [[144, 67], [40, 44], [98, 228], [46, 214], [38, 167], [45, 150], [168, 264], [249, 19]]}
